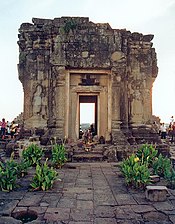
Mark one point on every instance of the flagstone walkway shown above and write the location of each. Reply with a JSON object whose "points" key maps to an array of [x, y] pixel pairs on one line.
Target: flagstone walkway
{"points": [[88, 193]]}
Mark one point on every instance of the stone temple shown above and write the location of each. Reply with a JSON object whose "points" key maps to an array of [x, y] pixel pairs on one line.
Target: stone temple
{"points": [[70, 60]]}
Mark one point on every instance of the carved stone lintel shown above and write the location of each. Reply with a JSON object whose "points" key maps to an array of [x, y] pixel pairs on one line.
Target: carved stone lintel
{"points": [[88, 81]]}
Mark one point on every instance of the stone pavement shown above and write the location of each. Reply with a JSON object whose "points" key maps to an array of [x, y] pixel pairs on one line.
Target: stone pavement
{"points": [[88, 193]]}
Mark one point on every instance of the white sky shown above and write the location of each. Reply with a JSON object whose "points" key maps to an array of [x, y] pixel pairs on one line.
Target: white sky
{"points": [[148, 17], [87, 113]]}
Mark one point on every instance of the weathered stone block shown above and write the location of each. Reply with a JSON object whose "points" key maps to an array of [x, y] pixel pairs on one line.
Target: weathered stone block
{"points": [[155, 178], [156, 193], [34, 138]]}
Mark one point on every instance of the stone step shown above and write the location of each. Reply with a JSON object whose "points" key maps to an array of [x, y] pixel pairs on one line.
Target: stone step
{"points": [[87, 151], [156, 193], [90, 157]]}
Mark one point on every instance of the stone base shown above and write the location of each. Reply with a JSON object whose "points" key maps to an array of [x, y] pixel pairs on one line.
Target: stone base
{"points": [[156, 193]]}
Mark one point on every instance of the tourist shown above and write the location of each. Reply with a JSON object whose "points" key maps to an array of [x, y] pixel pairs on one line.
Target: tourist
{"points": [[173, 133], [18, 132], [3, 128], [87, 136], [170, 130], [92, 130], [163, 131], [8, 128], [13, 129], [171, 120]]}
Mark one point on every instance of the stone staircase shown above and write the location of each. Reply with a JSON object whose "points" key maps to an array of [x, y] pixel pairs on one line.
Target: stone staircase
{"points": [[89, 153], [93, 152]]}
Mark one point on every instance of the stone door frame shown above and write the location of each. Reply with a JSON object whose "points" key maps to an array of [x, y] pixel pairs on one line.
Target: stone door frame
{"points": [[104, 113]]}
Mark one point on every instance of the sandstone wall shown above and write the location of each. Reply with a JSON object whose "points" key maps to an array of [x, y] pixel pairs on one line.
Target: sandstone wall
{"points": [[49, 49]]}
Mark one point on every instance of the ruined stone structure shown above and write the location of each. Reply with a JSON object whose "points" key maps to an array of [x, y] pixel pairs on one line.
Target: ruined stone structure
{"points": [[69, 60]]}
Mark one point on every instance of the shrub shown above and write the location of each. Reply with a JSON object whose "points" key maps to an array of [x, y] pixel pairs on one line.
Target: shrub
{"points": [[58, 155], [170, 177], [147, 154], [161, 165], [23, 168], [32, 154], [137, 167], [44, 177], [8, 175], [136, 173]]}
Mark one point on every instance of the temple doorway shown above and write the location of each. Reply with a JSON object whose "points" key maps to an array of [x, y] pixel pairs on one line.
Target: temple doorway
{"points": [[97, 97], [88, 113]]}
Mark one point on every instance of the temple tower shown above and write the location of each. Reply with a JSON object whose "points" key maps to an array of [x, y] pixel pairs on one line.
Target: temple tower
{"points": [[69, 60]]}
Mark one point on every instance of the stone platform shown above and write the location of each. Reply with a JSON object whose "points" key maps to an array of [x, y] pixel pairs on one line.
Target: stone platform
{"points": [[88, 193]]}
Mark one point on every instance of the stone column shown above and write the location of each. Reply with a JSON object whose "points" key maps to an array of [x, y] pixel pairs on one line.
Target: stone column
{"points": [[60, 99], [103, 112], [109, 104], [119, 63], [67, 106], [74, 115], [116, 121], [27, 100], [52, 98], [136, 108], [147, 100]]}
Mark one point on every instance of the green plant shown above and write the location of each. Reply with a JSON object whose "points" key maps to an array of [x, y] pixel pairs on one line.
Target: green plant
{"points": [[22, 168], [70, 25], [137, 167], [161, 165], [135, 172], [58, 155], [147, 154], [44, 177], [170, 177], [32, 154], [8, 175]]}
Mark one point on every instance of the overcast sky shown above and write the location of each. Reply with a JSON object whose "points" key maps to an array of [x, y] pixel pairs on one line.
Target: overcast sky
{"points": [[148, 17]]}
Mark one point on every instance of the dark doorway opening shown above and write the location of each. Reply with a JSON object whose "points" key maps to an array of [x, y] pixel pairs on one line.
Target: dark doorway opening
{"points": [[88, 113]]}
